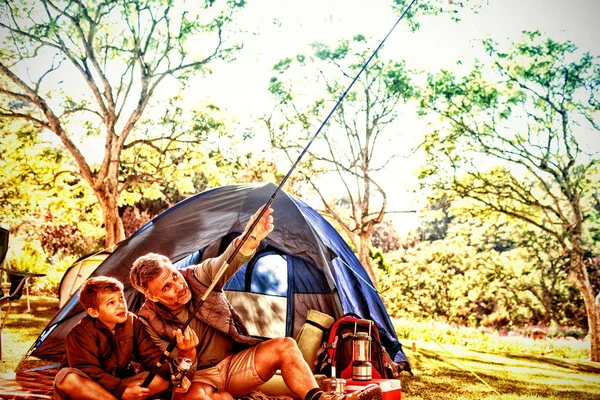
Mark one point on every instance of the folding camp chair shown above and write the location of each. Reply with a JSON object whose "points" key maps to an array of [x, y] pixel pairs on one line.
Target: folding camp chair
{"points": [[17, 279]]}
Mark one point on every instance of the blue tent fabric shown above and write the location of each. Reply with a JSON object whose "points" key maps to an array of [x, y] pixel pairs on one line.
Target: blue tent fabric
{"points": [[303, 264], [353, 283]]}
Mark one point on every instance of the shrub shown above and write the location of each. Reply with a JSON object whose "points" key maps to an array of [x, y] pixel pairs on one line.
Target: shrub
{"points": [[490, 341], [25, 255], [48, 285], [28, 256]]}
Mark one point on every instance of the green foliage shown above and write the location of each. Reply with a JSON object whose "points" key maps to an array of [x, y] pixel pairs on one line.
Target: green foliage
{"points": [[512, 142], [24, 255], [43, 197], [435, 220], [27, 255], [561, 343], [188, 151], [378, 257], [54, 272], [437, 280], [323, 52], [421, 9], [494, 273], [351, 149]]}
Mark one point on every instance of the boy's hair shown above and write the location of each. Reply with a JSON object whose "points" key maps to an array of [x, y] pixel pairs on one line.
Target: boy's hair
{"points": [[91, 288], [146, 268]]}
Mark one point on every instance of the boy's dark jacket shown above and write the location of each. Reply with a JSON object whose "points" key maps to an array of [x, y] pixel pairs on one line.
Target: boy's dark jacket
{"points": [[104, 357]]}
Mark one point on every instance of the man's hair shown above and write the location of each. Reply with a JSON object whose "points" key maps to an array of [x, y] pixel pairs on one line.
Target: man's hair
{"points": [[146, 268], [91, 288]]}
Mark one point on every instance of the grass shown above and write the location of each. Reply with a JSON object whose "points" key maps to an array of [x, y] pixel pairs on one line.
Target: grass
{"points": [[559, 343], [457, 372], [441, 371], [22, 328]]}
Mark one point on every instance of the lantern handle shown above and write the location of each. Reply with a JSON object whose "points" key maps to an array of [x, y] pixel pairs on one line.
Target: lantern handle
{"points": [[363, 321]]}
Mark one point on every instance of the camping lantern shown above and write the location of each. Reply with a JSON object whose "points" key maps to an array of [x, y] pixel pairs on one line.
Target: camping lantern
{"points": [[361, 356]]}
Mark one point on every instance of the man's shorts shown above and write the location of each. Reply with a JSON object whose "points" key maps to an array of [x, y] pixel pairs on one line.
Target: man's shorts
{"points": [[59, 395], [235, 374]]}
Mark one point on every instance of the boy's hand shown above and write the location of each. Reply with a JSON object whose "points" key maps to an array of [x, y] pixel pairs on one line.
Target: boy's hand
{"points": [[187, 340], [136, 391]]}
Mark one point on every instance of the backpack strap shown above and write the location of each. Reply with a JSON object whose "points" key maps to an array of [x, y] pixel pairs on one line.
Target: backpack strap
{"points": [[316, 324]]}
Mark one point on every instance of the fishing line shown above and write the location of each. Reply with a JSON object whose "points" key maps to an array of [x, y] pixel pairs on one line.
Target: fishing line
{"points": [[248, 232]]}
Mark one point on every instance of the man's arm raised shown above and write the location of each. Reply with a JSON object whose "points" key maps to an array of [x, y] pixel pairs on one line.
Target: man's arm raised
{"points": [[260, 231]]}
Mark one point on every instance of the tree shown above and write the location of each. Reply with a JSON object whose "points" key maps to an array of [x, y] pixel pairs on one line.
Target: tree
{"points": [[179, 152], [41, 198], [435, 220], [385, 237], [347, 153], [420, 9], [484, 272], [83, 69], [517, 143], [543, 287]]}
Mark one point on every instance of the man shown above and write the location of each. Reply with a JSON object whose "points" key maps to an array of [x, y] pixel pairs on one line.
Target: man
{"points": [[229, 362]]}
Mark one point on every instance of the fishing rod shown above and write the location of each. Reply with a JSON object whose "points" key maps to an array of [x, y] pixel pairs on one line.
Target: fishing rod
{"points": [[166, 354]]}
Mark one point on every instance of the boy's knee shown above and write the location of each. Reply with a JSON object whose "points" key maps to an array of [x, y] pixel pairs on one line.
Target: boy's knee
{"points": [[70, 380]]}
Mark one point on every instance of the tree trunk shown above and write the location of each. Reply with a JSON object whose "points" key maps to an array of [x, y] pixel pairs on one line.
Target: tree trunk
{"points": [[365, 259], [593, 313], [595, 336], [108, 197], [578, 277]]}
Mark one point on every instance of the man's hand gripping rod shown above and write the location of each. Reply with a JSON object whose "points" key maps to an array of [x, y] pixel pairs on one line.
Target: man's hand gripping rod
{"points": [[166, 354]]}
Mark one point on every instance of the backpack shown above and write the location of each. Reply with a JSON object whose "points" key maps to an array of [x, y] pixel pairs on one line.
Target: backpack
{"points": [[336, 349]]}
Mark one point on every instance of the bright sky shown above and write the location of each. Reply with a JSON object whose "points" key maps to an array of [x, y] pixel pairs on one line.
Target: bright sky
{"points": [[284, 28], [277, 28]]}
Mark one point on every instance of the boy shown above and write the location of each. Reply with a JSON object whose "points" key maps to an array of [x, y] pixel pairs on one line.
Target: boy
{"points": [[102, 345]]}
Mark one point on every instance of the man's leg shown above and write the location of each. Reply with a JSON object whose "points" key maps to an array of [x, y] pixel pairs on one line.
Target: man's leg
{"points": [[284, 354], [202, 391], [203, 387], [78, 387]]}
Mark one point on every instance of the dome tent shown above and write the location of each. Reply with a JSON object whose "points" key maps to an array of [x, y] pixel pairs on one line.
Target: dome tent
{"points": [[77, 273], [303, 264]]}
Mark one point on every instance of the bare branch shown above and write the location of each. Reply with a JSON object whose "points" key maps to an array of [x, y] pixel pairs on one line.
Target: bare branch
{"points": [[53, 122], [26, 117]]}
